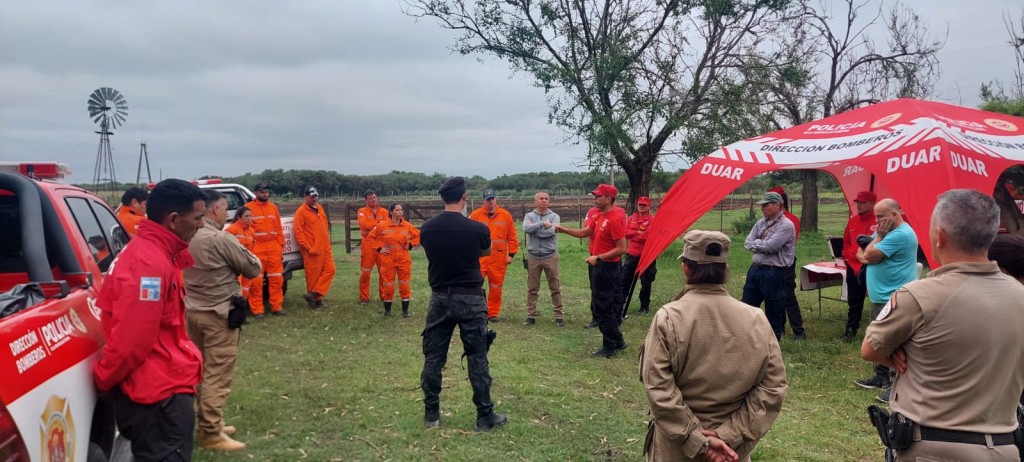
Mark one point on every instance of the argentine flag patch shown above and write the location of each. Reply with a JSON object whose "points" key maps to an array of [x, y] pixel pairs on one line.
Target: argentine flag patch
{"points": [[149, 289]]}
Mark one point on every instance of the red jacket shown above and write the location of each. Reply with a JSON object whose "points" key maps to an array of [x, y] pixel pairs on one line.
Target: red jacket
{"points": [[636, 232], [796, 225], [858, 224], [142, 304]]}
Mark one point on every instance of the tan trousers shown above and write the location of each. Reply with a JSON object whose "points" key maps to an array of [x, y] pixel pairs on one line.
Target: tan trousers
{"points": [[939, 451], [219, 346], [550, 267]]}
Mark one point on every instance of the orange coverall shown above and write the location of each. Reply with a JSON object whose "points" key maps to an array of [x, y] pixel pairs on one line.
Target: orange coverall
{"points": [[397, 239], [504, 242], [368, 256], [244, 234], [269, 248], [314, 238], [129, 220]]}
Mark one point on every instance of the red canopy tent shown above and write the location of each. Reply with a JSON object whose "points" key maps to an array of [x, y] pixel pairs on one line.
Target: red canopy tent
{"points": [[905, 149]]}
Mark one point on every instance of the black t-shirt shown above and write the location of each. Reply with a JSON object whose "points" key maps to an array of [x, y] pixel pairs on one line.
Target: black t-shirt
{"points": [[453, 243]]}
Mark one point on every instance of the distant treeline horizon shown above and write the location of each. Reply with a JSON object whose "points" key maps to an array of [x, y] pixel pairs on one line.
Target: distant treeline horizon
{"points": [[331, 184]]}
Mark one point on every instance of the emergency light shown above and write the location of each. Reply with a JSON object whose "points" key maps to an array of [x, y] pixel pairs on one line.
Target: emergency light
{"points": [[37, 170]]}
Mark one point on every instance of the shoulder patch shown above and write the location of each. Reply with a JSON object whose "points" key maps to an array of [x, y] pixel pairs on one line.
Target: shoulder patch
{"points": [[149, 289], [891, 305]]}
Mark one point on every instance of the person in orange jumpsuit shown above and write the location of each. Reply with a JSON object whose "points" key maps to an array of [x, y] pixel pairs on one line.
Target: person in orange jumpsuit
{"points": [[506, 244], [132, 209], [242, 229], [102, 254], [313, 234], [269, 237], [369, 216], [397, 237]]}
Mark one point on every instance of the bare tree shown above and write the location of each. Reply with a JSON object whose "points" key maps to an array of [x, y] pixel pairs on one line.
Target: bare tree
{"points": [[622, 75], [824, 62]]}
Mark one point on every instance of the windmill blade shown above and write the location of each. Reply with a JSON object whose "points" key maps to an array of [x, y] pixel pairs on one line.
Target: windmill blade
{"points": [[108, 107]]}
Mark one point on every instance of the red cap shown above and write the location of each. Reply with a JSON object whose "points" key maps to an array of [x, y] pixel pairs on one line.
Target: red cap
{"points": [[777, 189], [605, 190], [643, 200], [866, 196]]}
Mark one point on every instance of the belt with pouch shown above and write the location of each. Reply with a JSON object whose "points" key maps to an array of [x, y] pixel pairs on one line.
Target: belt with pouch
{"points": [[455, 290], [957, 436]]}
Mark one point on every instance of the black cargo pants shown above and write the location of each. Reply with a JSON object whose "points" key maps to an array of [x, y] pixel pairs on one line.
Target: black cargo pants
{"points": [[469, 313]]}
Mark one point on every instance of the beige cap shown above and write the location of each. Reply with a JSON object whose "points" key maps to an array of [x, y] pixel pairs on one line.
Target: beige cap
{"points": [[696, 243]]}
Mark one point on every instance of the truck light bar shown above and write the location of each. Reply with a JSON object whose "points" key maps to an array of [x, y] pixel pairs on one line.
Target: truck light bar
{"points": [[37, 170]]}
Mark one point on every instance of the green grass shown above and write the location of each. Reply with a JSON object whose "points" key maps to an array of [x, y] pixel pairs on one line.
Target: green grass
{"points": [[343, 384]]}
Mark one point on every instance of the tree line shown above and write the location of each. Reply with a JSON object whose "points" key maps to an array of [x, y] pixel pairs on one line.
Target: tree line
{"points": [[398, 183]]}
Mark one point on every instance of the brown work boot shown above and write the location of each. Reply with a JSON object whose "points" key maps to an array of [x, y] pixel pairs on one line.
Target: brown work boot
{"points": [[222, 443]]}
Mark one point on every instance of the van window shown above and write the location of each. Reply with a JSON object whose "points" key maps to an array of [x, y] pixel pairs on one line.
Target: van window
{"points": [[112, 229], [234, 198], [12, 260], [99, 243]]}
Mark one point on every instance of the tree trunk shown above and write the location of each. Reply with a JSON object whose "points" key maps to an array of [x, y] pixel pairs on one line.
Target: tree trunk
{"points": [[809, 202], [639, 176]]}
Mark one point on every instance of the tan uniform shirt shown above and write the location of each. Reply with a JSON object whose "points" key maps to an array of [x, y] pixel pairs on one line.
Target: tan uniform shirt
{"points": [[213, 279], [710, 362], [963, 331]]}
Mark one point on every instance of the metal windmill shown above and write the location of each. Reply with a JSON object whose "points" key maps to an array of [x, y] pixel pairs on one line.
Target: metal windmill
{"points": [[108, 108]]}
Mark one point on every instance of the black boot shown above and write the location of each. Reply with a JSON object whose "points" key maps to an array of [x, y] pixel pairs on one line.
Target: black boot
{"points": [[405, 309], [387, 308]]}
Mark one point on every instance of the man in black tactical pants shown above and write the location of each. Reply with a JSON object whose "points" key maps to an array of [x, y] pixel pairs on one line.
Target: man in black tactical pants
{"points": [[454, 245]]}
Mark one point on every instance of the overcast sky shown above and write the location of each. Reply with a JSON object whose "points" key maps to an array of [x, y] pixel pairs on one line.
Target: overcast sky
{"points": [[224, 88]]}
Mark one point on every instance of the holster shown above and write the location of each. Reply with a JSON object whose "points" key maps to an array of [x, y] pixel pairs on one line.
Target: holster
{"points": [[901, 431], [526, 264], [491, 335], [236, 316], [880, 419], [895, 430]]}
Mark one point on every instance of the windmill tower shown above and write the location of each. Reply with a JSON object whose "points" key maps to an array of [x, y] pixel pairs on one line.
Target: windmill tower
{"points": [[143, 157], [108, 108]]}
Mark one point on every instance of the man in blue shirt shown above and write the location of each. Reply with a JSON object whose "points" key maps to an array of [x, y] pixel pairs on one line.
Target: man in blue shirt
{"points": [[890, 261]]}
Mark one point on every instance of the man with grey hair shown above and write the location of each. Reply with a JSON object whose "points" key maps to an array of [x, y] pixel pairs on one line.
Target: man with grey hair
{"points": [[772, 240], [954, 339], [890, 261], [542, 255], [209, 285]]}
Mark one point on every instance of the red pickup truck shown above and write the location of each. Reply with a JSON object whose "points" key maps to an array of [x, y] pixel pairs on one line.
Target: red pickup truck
{"points": [[56, 242]]}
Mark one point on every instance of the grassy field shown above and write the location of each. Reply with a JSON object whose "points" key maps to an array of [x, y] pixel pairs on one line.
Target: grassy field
{"points": [[343, 384]]}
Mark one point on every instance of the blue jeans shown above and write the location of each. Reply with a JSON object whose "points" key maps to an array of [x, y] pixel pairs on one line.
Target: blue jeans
{"points": [[768, 285]]}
